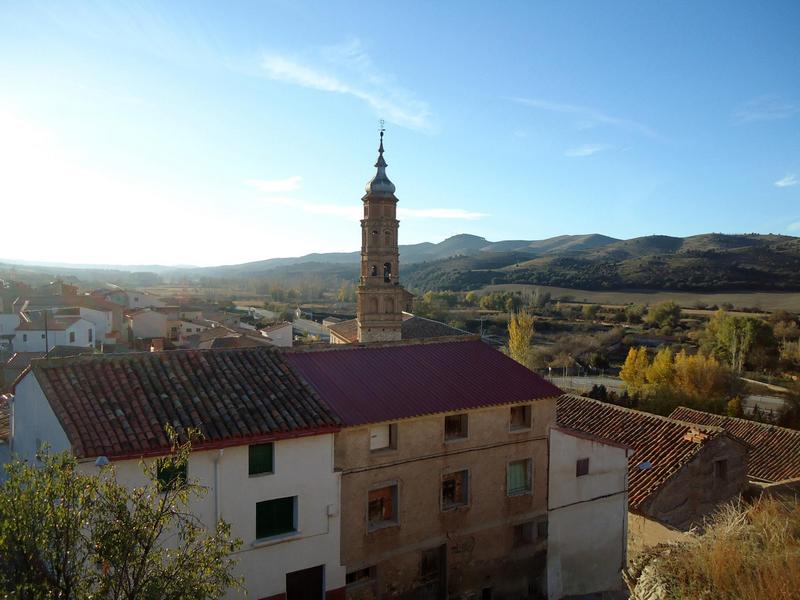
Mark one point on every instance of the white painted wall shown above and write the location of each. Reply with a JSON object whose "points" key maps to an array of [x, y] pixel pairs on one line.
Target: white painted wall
{"points": [[188, 328], [8, 323], [587, 516], [148, 324], [138, 299], [303, 468], [33, 340], [101, 319]]}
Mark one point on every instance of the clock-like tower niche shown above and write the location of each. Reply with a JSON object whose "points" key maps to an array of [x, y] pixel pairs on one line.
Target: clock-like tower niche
{"points": [[381, 298]]}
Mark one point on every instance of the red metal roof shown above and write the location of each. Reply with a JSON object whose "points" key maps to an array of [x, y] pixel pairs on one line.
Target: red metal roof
{"points": [[374, 383]]}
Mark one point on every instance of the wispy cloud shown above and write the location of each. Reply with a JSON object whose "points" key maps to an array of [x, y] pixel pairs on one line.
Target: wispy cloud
{"points": [[586, 150], [347, 69], [276, 185], [765, 108], [788, 181], [352, 212], [587, 116]]}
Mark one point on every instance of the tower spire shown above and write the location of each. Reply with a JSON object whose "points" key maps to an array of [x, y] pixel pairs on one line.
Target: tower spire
{"points": [[380, 185]]}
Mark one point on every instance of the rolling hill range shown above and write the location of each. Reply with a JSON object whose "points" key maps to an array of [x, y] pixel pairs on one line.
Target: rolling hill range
{"points": [[701, 263]]}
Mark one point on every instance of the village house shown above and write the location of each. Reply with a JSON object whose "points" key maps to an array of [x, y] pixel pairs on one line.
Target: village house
{"points": [[279, 334], [774, 460], [678, 472], [266, 455], [107, 317], [146, 323], [444, 463], [587, 522], [40, 335]]}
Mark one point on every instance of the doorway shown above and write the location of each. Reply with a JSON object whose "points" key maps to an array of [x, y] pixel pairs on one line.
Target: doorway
{"points": [[306, 584]]}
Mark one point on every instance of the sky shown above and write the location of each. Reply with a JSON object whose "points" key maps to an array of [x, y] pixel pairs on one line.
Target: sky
{"points": [[206, 133]]}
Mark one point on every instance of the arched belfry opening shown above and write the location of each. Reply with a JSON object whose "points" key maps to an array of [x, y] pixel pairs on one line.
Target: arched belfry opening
{"points": [[380, 298]]}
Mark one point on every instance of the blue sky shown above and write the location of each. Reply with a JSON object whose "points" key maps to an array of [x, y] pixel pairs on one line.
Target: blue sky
{"points": [[212, 133]]}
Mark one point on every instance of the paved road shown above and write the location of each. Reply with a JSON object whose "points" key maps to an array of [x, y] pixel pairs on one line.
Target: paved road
{"points": [[584, 384]]}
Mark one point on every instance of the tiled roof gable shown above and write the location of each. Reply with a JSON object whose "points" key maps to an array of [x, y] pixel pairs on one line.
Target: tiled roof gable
{"points": [[119, 405], [661, 444], [775, 451]]}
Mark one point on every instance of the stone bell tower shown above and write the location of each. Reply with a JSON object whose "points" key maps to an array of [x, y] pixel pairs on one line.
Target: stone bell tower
{"points": [[381, 298]]}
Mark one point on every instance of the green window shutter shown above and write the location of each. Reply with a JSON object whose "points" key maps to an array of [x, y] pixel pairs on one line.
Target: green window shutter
{"points": [[518, 477], [274, 517], [261, 458]]}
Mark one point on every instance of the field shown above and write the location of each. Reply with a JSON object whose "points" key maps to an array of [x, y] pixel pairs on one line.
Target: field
{"points": [[768, 301]]}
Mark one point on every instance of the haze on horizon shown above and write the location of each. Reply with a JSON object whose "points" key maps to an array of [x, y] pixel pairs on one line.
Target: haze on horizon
{"points": [[139, 133]]}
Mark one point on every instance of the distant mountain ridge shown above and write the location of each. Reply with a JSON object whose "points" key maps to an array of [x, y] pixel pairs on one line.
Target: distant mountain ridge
{"points": [[707, 262]]}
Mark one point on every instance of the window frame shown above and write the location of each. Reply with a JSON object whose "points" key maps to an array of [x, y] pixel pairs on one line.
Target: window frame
{"points": [[392, 438], [250, 472], [395, 497], [368, 578], [721, 470], [465, 422], [582, 466], [529, 476], [279, 534], [528, 413], [465, 486]]}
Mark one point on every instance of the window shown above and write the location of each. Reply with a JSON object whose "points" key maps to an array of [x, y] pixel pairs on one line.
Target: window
{"points": [[90, 336], [43, 336], [71, 336], [170, 474], [521, 418], [721, 470], [276, 517], [582, 467], [530, 532], [431, 562], [382, 506], [455, 489], [383, 437], [456, 427], [519, 477], [361, 576], [261, 458], [24, 337]]}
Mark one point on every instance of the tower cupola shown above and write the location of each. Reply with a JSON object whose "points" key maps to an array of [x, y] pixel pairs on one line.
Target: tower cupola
{"points": [[380, 186]]}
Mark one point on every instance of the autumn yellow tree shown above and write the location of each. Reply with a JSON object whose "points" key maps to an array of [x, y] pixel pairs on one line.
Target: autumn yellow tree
{"points": [[702, 378], [661, 372], [520, 337], [634, 371]]}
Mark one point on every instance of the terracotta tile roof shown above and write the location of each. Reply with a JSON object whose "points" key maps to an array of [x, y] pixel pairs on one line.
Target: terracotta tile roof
{"points": [[413, 328], [59, 323], [774, 453], [117, 405], [385, 382], [666, 444]]}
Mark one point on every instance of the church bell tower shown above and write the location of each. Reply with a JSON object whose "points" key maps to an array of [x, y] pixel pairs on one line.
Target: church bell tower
{"points": [[381, 298]]}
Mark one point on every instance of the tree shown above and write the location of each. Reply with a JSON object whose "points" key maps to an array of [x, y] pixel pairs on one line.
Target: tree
{"points": [[739, 341], [520, 337], [702, 378], [634, 371], [634, 313], [65, 533], [661, 372], [664, 314], [734, 407], [589, 311]]}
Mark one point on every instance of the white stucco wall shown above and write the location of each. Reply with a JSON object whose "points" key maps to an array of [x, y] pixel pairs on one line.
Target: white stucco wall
{"points": [[587, 516], [33, 340], [303, 468], [101, 319], [149, 324], [8, 323], [143, 300]]}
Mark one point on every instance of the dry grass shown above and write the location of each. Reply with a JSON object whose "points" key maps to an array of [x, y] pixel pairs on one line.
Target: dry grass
{"points": [[747, 552]]}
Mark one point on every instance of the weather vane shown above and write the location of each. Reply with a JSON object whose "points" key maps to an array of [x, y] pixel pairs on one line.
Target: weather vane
{"points": [[382, 129]]}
